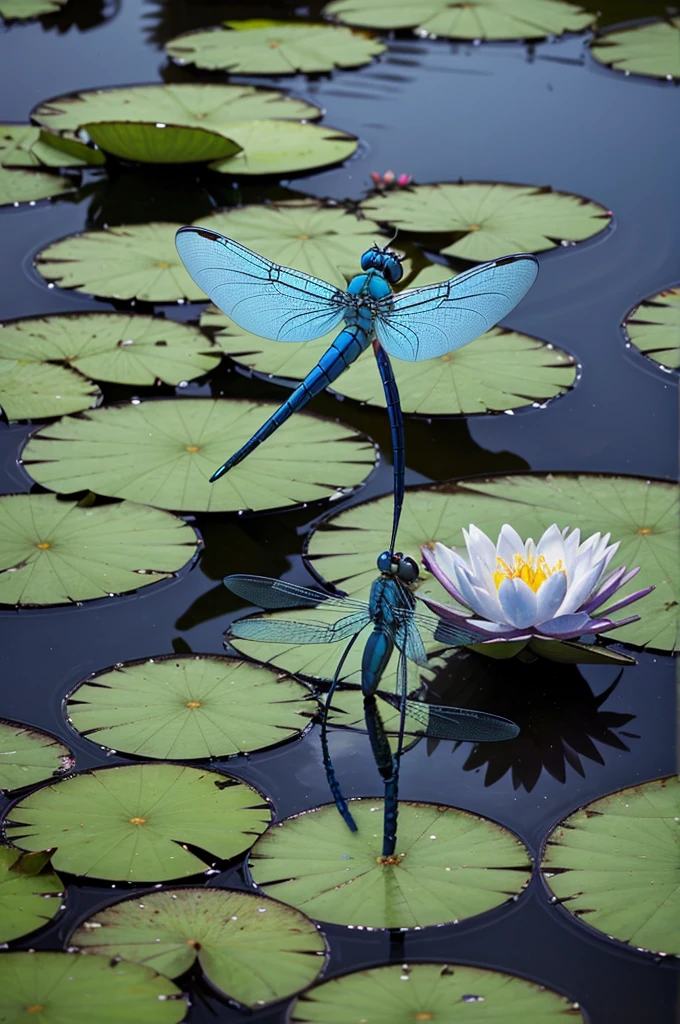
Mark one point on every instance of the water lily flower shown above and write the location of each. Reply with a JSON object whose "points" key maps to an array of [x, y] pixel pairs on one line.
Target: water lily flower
{"points": [[390, 180], [518, 589]]}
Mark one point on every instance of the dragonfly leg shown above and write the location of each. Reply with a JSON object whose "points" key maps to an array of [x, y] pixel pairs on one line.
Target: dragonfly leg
{"points": [[397, 430], [333, 783]]}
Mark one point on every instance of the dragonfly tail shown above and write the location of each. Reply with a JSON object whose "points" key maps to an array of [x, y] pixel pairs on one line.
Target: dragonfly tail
{"points": [[397, 430]]}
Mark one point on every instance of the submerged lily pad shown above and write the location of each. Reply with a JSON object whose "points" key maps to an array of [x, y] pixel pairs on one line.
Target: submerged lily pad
{"points": [[159, 143], [28, 756], [23, 145], [476, 19], [284, 147], [127, 349], [251, 948], [31, 390], [56, 552], [19, 186], [22, 10], [490, 218], [163, 453], [183, 706], [139, 823], [274, 48], [436, 992], [453, 865], [65, 988], [27, 901], [652, 49], [614, 865], [654, 327]]}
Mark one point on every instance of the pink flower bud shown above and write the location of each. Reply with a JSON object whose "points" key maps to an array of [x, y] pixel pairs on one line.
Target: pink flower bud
{"points": [[375, 178], [388, 177], [404, 179]]}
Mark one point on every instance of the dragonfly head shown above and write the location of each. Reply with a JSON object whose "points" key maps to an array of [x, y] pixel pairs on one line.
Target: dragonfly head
{"points": [[396, 564], [385, 261]]}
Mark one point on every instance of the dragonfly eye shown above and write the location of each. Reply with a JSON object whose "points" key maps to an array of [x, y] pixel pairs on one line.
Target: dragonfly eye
{"points": [[393, 269], [385, 561], [407, 570]]}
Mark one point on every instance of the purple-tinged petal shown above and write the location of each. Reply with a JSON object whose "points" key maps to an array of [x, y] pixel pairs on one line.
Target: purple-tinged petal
{"points": [[443, 611], [580, 589], [566, 626], [550, 595], [433, 566], [518, 602], [608, 587], [616, 625], [500, 630], [625, 601]]}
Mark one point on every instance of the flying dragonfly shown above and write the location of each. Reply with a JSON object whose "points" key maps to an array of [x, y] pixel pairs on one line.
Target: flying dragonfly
{"points": [[391, 609], [286, 305]]}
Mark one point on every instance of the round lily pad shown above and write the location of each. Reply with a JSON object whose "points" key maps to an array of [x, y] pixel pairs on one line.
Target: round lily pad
{"points": [[23, 10], [614, 865], [274, 48], [27, 901], [23, 145], [55, 552], [435, 992], [640, 514], [31, 391], [127, 349], [452, 865], [284, 147], [488, 219], [139, 823], [652, 49], [65, 988], [184, 706], [251, 948], [19, 186], [159, 143], [476, 19], [163, 453], [654, 328], [28, 756]]}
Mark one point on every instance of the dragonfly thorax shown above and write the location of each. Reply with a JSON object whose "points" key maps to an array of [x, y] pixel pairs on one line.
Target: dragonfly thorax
{"points": [[385, 262]]}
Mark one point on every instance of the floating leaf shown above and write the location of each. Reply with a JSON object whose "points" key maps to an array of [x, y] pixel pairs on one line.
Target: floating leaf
{"points": [[652, 49], [476, 19], [31, 390], [23, 145], [27, 902], [490, 219], [438, 992], [138, 823], [127, 349], [275, 48], [17, 186], [28, 756], [614, 865], [22, 10], [159, 143], [55, 552], [453, 865], [184, 706], [654, 327], [251, 948], [163, 453], [285, 147], [640, 514], [65, 988]]}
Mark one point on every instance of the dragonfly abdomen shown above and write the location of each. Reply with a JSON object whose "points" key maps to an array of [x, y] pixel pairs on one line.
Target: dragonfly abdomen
{"points": [[375, 658]]}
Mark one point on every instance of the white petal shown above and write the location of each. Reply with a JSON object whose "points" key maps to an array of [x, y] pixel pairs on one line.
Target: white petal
{"points": [[550, 596], [482, 600], [566, 625], [483, 547], [579, 591], [491, 627], [509, 544], [518, 602], [551, 546], [571, 542], [443, 556]]}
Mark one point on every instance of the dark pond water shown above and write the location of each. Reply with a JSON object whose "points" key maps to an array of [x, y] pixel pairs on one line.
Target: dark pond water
{"points": [[439, 112]]}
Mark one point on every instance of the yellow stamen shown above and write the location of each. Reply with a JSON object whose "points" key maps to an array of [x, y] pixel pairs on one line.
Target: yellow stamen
{"points": [[533, 574]]}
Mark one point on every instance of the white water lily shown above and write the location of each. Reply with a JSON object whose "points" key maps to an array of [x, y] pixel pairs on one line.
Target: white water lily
{"points": [[517, 589]]}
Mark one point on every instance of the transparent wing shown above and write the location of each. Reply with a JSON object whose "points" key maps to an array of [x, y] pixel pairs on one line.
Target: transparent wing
{"points": [[446, 723], [260, 296], [444, 632], [408, 640], [285, 632], [427, 322], [268, 592]]}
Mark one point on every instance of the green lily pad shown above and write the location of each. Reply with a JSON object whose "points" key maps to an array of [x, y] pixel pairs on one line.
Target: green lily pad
{"points": [[65, 988], [453, 865], [23, 145], [127, 349], [28, 756], [31, 390], [614, 865], [476, 19], [19, 186], [138, 823], [489, 219], [654, 328], [251, 948], [27, 902], [284, 147], [56, 552], [159, 143], [434, 992], [184, 706], [22, 10], [137, 261], [640, 514], [275, 48], [652, 49], [163, 453]]}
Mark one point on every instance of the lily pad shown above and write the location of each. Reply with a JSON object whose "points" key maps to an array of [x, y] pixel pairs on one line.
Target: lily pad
{"points": [[181, 707], [27, 902], [614, 865], [23, 145], [434, 992], [19, 186], [284, 147], [139, 823], [640, 514], [251, 948], [31, 390], [159, 143], [489, 219], [274, 48], [453, 865], [22, 10], [477, 19], [162, 453], [652, 49], [654, 328], [127, 349], [28, 756], [56, 552], [65, 988]]}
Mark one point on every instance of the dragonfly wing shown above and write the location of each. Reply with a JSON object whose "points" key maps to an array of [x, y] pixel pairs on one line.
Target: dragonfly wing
{"points": [[271, 593], [424, 323], [445, 632], [408, 640], [286, 632], [260, 296], [447, 723]]}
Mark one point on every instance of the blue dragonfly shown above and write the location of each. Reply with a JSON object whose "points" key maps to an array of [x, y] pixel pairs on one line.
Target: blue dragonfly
{"points": [[391, 609], [285, 305]]}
